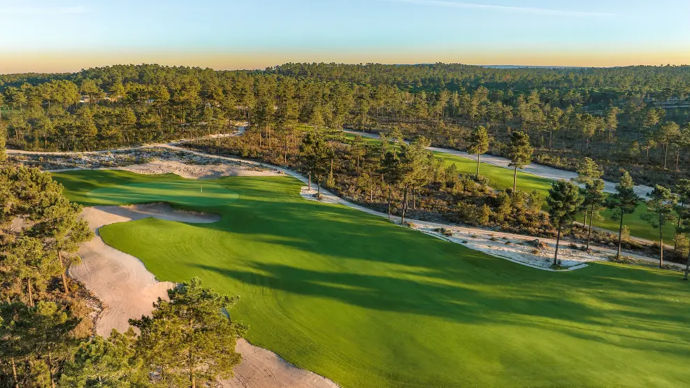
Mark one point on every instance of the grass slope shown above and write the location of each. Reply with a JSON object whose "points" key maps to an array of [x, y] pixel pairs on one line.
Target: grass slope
{"points": [[502, 178], [369, 304]]}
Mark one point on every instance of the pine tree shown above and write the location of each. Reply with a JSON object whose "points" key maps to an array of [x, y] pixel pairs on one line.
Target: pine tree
{"points": [[623, 201], [104, 362], [478, 143], [683, 212], [189, 340], [519, 153], [662, 203], [588, 171], [392, 171], [35, 340], [46, 243], [593, 195], [314, 153], [564, 201]]}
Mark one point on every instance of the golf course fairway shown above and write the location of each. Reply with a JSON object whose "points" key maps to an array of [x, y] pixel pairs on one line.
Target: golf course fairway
{"points": [[370, 304]]}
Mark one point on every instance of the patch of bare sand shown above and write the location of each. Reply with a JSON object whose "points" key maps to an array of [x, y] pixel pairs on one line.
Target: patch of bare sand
{"points": [[261, 368], [195, 171], [127, 290]]}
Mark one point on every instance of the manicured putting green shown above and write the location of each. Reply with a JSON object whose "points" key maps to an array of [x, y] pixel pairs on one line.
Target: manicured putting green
{"points": [[370, 304]]}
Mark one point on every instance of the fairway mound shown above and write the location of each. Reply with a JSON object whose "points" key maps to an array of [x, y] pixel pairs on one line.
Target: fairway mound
{"points": [[127, 290], [196, 171]]}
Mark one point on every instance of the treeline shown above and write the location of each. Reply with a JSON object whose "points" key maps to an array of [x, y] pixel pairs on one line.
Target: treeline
{"points": [[47, 336], [632, 117]]}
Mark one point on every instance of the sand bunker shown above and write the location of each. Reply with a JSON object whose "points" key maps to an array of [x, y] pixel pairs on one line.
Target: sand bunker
{"points": [[195, 171], [262, 368], [127, 290], [114, 276]]}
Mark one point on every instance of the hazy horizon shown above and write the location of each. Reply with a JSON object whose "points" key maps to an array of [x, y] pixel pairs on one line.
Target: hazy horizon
{"points": [[65, 36]]}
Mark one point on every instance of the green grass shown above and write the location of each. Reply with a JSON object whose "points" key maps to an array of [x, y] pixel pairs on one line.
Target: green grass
{"points": [[369, 304], [502, 178], [499, 178]]}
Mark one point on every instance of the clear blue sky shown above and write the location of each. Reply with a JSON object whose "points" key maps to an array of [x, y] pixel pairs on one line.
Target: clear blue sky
{"points": [[257, 33]]}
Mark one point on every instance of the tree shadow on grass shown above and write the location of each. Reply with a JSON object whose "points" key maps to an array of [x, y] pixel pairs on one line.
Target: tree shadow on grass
{"points": [[464, 304]]}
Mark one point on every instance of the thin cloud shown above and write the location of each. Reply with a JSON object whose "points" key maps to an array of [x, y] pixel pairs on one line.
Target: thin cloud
{"points": [[42, 10], [503, 8]]}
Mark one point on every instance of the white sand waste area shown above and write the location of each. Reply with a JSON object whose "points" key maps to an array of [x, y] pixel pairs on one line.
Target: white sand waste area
{"points": [[195, 171], [127, 290]]}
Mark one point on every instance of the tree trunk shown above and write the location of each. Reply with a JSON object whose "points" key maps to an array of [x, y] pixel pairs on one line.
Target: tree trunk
{"points": [[515, 180], [318, 188], [404, 208], [677, 157], [50, 370], [31, 293], [589, 232], [665, 154], [477, 166], [661, 243], [63, 273], [14, 365], [687, 267], [389, 202], [309, 174], [558, 240], [192, 380], [620, 236]]}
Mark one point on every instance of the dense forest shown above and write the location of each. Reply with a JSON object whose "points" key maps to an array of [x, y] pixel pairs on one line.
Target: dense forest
{"points": [[633, 117]]}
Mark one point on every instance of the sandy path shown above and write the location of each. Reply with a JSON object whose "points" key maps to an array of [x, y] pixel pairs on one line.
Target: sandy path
{"points": [[533, 168], [127, 290]]}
